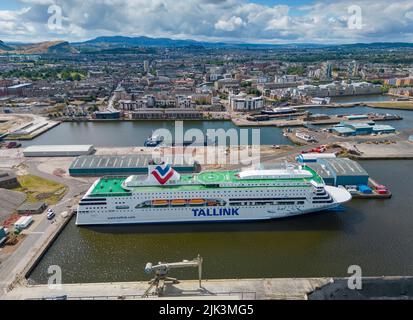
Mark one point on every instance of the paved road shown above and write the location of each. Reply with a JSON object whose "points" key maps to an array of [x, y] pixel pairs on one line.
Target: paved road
{"points": [[27, 249]]}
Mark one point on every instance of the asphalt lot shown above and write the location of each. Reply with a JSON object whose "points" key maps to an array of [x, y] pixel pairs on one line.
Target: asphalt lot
{"points": [[40, 231]]}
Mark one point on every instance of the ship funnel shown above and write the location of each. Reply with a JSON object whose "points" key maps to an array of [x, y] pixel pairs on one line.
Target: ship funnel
{"points": [[162, 173]]}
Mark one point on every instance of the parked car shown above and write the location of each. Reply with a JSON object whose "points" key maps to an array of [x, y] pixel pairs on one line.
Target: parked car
{"points": [[50, 215], [13, 144]]}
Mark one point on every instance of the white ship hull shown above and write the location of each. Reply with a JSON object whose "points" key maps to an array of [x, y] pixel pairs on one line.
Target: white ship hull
{"points": [[280, 203], [186, 215]]}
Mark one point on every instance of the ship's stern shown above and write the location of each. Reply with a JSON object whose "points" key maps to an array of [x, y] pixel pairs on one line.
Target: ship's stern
{"points": [[340, 195]]}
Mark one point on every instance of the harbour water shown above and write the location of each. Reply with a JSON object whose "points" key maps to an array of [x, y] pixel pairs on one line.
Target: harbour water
{"points": [[374, 234], [134, 133], [128, 133]]}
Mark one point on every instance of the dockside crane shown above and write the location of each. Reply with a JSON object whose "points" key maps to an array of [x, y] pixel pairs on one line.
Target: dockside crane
{"points": [[161, 274]]}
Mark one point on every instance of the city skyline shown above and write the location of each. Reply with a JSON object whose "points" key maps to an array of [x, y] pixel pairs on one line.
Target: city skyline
{"points": [[243, 21]]}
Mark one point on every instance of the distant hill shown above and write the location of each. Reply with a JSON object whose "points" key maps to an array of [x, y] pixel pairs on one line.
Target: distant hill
{"points": [[48, 47], [139, 41], [4, 47], [147, 45], [142, 41], [380, 45]]}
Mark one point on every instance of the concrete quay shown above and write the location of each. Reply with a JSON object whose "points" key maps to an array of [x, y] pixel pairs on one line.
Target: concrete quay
{"points": [[235, 289], [34, 134], [369, 150], [373, 288]]}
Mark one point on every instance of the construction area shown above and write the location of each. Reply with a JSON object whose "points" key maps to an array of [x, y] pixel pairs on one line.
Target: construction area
{"points": [[24, 127]]}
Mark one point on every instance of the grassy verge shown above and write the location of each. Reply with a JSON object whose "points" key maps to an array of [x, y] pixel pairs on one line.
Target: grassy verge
{"points": [[39, 189]]}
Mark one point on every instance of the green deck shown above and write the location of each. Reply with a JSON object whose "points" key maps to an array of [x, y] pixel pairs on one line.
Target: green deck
{"points": [[111, 186]]}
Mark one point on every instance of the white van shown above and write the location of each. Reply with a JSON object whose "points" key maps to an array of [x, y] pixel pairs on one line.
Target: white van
{"points": [[23, 222]]}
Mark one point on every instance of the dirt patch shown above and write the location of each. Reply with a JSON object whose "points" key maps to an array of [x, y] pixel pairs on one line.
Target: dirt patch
{"points": [[59, 172], [8, 249]]}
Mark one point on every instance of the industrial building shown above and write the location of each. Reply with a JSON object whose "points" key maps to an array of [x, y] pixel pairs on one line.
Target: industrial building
{"points": [[341, 171], [94, 165], [314, 157], [323, 172], [58, 150], [358, 128]]}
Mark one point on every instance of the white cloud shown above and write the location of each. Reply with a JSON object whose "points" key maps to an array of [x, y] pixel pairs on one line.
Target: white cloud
{"points": [[409, 15], [221, 20], [230, 25], [278, 24]]}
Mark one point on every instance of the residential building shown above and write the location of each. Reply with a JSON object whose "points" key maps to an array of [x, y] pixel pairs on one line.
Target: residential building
{"points": [[243, 102]]}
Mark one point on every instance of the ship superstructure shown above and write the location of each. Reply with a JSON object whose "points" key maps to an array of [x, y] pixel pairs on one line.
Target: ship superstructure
{"points": [[165, 196]]}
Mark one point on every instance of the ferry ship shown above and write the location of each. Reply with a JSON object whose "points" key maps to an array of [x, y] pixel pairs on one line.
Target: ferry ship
{"points": [[279, 110], [165, 196]]}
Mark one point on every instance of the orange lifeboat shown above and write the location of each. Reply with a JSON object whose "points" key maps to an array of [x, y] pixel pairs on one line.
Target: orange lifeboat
{"points": [[212, 202], [197, 202], [160, 203], [178, 202]]}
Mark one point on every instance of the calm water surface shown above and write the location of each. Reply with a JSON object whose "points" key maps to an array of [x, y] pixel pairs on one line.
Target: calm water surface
{"points": [[128, 133], [134, 133], [375, 234]]}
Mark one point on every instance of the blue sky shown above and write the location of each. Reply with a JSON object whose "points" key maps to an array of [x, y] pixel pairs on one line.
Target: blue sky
{"points": [[10, 4], [254, 21]]}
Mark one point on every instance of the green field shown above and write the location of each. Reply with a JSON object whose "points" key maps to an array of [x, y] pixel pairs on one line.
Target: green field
{"points": [[39, 189]]}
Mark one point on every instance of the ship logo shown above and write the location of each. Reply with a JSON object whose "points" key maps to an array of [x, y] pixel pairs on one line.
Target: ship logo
{"points": [[163, 174]]}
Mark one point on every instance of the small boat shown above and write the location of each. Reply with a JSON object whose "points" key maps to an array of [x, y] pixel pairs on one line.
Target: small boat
{"points": [[160, 203], [211, 203], [196, 201], [178, 202], [153, 141]]}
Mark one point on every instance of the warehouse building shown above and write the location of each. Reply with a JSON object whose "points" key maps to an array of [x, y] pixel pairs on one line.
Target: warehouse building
{"points": [[383, 129], [323, 172], [355, 129], [314, 157], [94, 165], [344, 171], [58, 150]]}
